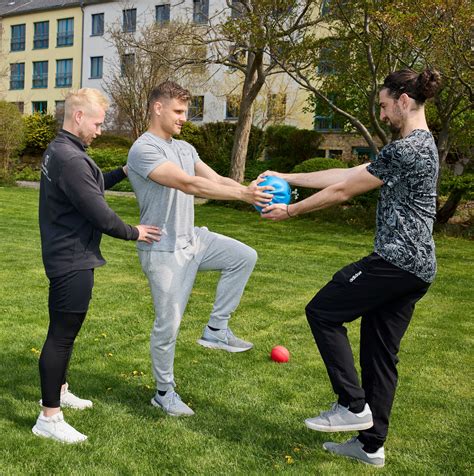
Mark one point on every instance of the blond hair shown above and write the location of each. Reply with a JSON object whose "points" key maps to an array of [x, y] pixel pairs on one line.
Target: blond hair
{"points": [[85, 98]]}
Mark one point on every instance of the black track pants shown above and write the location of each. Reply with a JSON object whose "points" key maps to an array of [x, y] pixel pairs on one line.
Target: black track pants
{"points": [[385, 296]]}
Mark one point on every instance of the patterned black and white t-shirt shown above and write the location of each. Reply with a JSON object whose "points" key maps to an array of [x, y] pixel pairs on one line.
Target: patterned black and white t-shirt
{"points": [[407, 205]]}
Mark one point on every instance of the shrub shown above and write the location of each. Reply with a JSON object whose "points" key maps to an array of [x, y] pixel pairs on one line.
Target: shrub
{"points": [[111, 141], [214, 140], [365, 200], [28, 174], [40, 130], [11, 138], [462, 183], [108, 159], [288, 146]]}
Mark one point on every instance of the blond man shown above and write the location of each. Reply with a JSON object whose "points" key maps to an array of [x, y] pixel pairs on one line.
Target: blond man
{"points": [[73, 214]]}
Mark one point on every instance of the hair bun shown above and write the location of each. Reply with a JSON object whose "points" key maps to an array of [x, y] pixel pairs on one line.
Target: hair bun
{"points": [[428, 83]]}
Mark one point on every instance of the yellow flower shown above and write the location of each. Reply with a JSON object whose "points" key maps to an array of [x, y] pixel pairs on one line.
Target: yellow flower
{"points": [[289, 459], [110, 354]]}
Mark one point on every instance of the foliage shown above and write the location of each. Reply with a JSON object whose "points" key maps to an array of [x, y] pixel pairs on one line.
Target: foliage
{"points": [[108, 158], [11, 137], [457, 183], [249, 411], [315, 165], [214, 140], [112, 141], [293, 144], [28, 174], [40, 130]]}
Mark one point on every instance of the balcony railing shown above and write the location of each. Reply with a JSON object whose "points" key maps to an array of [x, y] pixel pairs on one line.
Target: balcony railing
{"points": [[63, 80], [40, 80], [65, 38]]}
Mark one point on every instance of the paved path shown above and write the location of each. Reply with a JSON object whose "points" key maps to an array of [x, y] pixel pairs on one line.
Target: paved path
{"points": [[22, 183]]}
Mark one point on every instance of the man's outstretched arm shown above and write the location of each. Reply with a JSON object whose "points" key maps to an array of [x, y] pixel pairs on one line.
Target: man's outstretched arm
{"points": [[356, 184], [170, 175]]}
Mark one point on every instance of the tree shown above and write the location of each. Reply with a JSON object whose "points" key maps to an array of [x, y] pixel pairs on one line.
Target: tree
{"points": [[244, 41], [368, 39], [11, 135], [145, 60]]}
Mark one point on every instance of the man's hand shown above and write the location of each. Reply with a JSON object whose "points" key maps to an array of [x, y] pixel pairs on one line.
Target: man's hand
{"points": [[148, 233], [276, 212], [256, 195], [270, 172]]}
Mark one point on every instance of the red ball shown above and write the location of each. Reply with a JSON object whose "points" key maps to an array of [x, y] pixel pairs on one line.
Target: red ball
{"points": [[280, 354]]}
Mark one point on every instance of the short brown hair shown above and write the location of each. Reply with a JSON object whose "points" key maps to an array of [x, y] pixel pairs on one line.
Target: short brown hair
{"points": [[168, 90]]}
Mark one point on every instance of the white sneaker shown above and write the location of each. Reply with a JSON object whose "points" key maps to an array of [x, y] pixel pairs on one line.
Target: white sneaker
{"points": [[69, 400], [56, 428], [172, 404]]}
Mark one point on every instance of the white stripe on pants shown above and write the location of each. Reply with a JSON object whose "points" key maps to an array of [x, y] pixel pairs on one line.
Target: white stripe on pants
{"points": [[171, 276]]}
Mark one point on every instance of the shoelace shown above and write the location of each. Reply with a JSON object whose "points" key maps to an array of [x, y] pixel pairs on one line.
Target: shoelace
{"points": [[331, 411], [174, 397]]}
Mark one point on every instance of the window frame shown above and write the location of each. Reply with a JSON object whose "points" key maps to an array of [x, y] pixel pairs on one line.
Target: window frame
{"points": [[42, 76], [67, 75], [101, 24], [200, 14], [63, 37], [163, 21], [129, 24], [101, 62], [18, 78], [198, 115], [41, 111], [41, 39], [18, 39]]}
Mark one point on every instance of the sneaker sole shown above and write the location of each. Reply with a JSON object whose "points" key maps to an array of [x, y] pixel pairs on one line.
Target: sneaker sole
{"points": [[379, 465], [218, 346], [157, 405], [42, 434], [333, 429]]}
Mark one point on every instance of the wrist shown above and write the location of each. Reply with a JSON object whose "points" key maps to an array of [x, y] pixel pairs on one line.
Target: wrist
{"points": [[290, 215]]}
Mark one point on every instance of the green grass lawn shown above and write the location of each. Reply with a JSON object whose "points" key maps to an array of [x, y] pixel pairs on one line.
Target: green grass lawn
{"points": [[249, 411]]}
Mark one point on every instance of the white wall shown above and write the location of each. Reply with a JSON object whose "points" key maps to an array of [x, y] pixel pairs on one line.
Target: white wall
{"points": [[219, 80]]}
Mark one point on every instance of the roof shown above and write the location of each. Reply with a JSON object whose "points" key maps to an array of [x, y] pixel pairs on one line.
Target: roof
{"points": [[17, 7]]}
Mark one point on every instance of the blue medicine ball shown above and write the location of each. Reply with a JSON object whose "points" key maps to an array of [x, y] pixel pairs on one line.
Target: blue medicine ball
{"points": [[281, 192]]}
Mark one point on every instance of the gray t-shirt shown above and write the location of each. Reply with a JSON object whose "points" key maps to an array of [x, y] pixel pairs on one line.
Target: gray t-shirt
{"points": [[168, 208], [407, 205]]}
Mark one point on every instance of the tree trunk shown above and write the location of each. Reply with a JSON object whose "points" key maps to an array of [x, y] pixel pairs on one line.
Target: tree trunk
{"points": [[241, 141], [449, 208]]}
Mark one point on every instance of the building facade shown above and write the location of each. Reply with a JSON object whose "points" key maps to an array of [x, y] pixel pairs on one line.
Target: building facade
{"points": [[50, 47], [41, 52]]}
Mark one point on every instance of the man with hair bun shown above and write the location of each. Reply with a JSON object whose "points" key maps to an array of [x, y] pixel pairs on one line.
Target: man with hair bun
{"points": [[166, 174], [383, 287], [73, 214]]}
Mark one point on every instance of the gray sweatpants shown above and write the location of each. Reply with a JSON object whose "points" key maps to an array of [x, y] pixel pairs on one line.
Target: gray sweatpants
{"points": [[171, 276]]}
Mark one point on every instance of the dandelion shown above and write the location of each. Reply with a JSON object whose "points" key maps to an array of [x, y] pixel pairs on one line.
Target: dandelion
{"points": [[289, 459], [103, 335], [296, 449], [110, 354], [35, 351]]}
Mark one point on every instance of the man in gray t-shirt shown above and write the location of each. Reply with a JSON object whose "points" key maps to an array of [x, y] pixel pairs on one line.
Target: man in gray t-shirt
{"points": [[166, 174], [381, 288]]}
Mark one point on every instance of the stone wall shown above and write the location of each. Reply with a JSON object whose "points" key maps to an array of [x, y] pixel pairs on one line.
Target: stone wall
{"points": [[344, 145]]}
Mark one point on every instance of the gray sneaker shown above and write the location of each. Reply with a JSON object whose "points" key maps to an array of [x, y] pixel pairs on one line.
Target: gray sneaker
{"points": [[223, 339], [339, 418], [353, 449], [172, 404]]}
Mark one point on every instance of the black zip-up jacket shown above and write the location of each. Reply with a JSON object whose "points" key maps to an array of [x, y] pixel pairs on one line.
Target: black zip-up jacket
{"points": [[73, 212]]}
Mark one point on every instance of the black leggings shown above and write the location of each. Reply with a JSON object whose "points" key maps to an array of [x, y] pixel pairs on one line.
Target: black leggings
{"points": [[69, 298]]}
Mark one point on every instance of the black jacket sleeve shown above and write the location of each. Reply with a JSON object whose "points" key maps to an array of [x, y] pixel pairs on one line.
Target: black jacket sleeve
{"points": [[113, 177], [77, 181]]}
